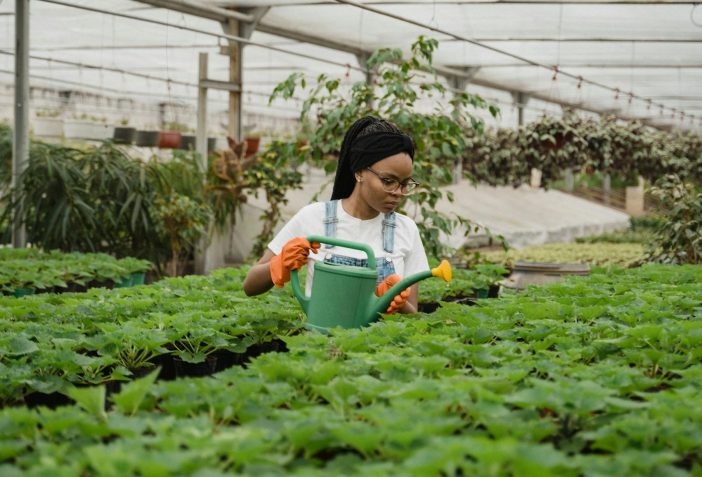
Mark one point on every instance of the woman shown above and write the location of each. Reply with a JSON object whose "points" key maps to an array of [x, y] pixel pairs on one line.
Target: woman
{"points": [[373, 175]]}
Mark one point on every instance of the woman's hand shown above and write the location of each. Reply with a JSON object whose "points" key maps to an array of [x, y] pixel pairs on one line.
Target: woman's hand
{"points": [[292, 257], [400, 302]]}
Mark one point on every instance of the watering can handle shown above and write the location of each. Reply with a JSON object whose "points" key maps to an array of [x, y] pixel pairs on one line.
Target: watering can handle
{"points": [[346, 244]]}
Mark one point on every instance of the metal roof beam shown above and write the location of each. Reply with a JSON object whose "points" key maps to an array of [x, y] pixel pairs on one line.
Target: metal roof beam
{"points": [[200, 9]]}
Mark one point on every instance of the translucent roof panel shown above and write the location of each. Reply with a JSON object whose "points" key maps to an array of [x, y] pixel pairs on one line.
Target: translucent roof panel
{"points": [[645, 57]]}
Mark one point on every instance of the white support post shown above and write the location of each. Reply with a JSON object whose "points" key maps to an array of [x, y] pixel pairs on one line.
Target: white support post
{"points": [[200, 265], [20, 147], [569, 180], [236, 51], [635, 199], [370, 74], [201, 137], [606, 188], [459, 84]]}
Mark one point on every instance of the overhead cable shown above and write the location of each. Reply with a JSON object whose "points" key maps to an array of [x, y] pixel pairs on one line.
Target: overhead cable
{"points": [[531, 62], [223, 36]]}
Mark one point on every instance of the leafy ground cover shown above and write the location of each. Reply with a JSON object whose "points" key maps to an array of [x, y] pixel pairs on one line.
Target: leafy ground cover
{"points": [[601, 253], [38, 271], [594, 376]]}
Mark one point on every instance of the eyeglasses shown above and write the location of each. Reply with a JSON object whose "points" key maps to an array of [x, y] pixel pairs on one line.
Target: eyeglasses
{"points": [[391, 185]]}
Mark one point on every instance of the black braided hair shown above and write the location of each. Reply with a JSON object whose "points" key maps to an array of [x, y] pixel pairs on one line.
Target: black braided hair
{"points": [[344, 181]]}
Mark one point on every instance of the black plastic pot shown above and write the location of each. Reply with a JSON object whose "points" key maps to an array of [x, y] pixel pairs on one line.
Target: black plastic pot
{"points": [[124, 135], [147, 138], [183, 368], [187, 142]]}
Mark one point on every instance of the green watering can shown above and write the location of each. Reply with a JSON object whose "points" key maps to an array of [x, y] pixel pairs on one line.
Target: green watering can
{"points": [[345, 295]]}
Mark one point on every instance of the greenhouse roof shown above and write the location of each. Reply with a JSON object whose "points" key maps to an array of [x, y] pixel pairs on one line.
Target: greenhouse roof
{"points": [[634, 59]]}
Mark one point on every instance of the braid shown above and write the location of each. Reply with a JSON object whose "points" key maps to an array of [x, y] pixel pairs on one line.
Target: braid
{"points": [[344, 181], [380, 125]]}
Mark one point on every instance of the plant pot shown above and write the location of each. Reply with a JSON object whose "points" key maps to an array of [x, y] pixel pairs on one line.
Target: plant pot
{"points": [[147, 138], [183, 368], [252, 144], [124, 135], [48, 127], [20, 292], [137, 278], [124, 282], [187, 142], [481, 292], [430, 307], [169, 140]]}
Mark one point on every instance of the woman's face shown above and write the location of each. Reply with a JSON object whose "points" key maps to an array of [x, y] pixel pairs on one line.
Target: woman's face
{"points": [[397, 167]]}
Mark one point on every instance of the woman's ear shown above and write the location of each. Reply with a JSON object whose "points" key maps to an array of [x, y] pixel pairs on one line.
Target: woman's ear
{"points": [[358, 178]]}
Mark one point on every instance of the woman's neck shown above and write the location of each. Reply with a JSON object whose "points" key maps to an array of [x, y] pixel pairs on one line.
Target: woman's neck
{"points": [[357, 207]]}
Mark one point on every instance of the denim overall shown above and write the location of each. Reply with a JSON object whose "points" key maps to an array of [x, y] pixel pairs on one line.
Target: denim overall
{"points": [[384, 266]]}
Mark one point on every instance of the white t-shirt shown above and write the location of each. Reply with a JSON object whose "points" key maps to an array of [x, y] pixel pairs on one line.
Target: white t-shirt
{"points": [[408, 254]]}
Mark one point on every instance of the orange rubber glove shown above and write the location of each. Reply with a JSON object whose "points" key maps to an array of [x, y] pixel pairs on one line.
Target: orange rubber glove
{"points": [[399, 300], [292, 256]]}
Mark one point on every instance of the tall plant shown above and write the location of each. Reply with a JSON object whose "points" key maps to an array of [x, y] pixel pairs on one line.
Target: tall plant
{"points": [[678, 239], [401, 84]]}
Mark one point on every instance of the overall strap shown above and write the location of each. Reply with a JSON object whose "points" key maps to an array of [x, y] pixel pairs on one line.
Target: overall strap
{"points": [[330, 220], [389, 226]]}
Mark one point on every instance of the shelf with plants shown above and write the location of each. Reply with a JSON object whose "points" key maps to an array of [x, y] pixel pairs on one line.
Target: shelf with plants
{"points": [[28, 271], [568, 379]]}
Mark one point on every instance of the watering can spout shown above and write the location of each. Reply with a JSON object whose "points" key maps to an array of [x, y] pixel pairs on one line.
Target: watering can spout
{"points": [[443, 271]]}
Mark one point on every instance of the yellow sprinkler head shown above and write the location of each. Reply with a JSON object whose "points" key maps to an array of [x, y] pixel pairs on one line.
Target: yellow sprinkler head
{"points": [[442, 271]]}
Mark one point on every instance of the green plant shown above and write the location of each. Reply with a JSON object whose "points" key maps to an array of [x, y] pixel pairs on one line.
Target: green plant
{"points": [[401, 83], [183, 222], [596, 375], [554, 144], [678, 239], [48, 113], [177, 126]]}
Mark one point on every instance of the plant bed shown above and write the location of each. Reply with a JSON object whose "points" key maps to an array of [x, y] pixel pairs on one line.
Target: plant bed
{"points": [[568, 379], [57, 272]]}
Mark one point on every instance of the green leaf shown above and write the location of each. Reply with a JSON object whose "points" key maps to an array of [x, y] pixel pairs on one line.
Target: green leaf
{"points": [[21, 345], [91, 399], [132, 394]]}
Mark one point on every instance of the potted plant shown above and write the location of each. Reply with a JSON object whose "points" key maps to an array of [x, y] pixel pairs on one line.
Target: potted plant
{"points": [[172, 135], [123, 134], [253, 141], [147, 137], [187, 141], [169, 139]]}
